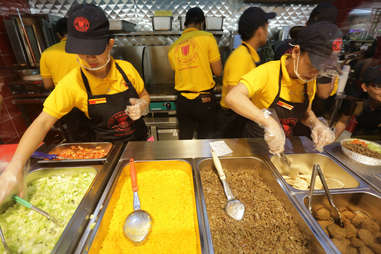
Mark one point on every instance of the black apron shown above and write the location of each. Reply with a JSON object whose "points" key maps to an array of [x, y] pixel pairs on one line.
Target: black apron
{"points": [[107, 114], [289, 113]]}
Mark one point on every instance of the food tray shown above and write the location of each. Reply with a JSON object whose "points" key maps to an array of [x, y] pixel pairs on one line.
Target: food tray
{"points": [[269, 213], [360, 157], [73, 228], [106, 146], [304, 163], [166, 192], [358, 209]]}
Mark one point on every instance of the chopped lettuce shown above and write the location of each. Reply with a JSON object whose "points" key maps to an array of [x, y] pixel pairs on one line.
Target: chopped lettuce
{"points": [[29, 232]]}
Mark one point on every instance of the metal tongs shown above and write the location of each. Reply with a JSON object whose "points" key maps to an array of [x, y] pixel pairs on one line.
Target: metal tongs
{"points": [[7, 250], [317, 171]]}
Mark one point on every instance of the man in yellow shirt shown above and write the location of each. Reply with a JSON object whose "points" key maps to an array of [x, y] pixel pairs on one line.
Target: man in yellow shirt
{"points": [[195, 58], [252, 27], [287, 88], [55, 62], [110, 92]]}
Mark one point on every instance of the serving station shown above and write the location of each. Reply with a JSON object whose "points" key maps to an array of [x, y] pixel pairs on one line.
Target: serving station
{"points": [[180, 188]]}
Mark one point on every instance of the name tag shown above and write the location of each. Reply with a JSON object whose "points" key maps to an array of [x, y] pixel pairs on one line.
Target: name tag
{"points": [[97, 101], [285, 105]]}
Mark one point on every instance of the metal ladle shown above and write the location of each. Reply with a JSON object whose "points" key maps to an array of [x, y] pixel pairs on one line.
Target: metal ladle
{"points": [[234, 208], [138, 223], [7, 250], [317, 171]]}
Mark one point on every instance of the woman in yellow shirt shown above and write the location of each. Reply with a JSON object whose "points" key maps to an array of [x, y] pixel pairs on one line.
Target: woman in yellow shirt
{"points": [[287, 87], [109, 92]]}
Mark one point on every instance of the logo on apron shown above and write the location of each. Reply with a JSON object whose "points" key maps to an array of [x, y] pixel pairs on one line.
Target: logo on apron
{"points": [[285, 105], [97, 101], [121, 123]]}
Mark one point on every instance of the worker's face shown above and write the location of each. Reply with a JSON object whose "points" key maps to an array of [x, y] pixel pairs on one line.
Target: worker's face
{"points": [[373, 91], [94, 61], [263, 33], [303, 67]]}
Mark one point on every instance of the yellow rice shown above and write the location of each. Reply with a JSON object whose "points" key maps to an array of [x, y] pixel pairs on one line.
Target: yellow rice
{"points": [[166, 193]]}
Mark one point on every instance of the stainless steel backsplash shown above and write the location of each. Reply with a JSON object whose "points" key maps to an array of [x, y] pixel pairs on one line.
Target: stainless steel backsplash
{"points": [[141, 11]]}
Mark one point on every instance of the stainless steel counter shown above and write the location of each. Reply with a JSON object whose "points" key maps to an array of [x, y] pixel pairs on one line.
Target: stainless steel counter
{"points": [[195, 151]]}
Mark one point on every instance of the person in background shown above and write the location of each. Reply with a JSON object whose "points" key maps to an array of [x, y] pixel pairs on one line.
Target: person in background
{"points": [[110, 92], [55, 62], [287, 88], [195, 58], [366, 117], [252, 27]]}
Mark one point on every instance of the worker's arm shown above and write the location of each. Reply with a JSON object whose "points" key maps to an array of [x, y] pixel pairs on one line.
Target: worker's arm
{"points": [[12, 177], [238, 100], [216, 68], [48, 83]]}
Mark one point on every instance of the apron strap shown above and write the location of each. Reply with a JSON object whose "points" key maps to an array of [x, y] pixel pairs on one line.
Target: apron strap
{"points": [[203, 91], [248, 50], [86, 83], [128, 82]]}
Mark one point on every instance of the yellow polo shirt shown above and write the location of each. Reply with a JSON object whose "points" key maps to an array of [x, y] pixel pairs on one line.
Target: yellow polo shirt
{"points": [[55, 63], [238, 64], [70, 92], [190, 57], [262, 84]]}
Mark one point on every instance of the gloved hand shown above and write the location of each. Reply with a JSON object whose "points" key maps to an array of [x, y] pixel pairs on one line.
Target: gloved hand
{"points": [[274, 134], [138, 108], [321, 135], [12, 182]]}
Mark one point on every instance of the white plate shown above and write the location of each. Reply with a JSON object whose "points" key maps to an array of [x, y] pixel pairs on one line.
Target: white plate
{"points": [[359, 157]]}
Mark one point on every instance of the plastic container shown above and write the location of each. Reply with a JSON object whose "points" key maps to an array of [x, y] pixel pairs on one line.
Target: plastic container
{"points": [[162, 23], [214, 23]]}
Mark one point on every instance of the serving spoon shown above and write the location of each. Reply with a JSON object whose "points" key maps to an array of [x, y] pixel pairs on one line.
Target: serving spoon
{"points": [[7, 250], [138, 223], [234, 208]]}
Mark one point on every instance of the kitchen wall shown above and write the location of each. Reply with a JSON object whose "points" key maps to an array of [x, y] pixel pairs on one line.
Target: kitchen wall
{"points": [[141, 11], [12, 124]]}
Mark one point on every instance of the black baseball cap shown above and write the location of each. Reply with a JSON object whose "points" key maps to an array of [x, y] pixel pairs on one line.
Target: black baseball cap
{"points": [[322, 41], [372, 75], [251, 19], [324, 11], [194, 16], [88, 30]]}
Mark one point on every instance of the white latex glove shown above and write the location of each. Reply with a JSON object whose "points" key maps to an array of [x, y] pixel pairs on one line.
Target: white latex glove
{"points": [[137, 109], [12, 182], [321, 135], [274, 134]]}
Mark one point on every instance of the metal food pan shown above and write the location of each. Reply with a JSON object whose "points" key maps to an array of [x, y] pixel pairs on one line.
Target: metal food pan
{"points": [[367, 201], [304, 163], [107, 146], [98, 224], [235, 165], [75, 226]]}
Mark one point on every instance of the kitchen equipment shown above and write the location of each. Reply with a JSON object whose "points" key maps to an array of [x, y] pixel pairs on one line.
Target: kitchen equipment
{"points": [[25, 203], [138, 223], [117, 25], [213, 23], [336, 176], [358, 157], [7, 250], [41, 155], [234, 208], [292, 172], [162, 23], [317, 171]]}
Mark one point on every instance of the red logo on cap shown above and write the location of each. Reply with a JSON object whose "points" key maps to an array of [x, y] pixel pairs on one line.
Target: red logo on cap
{"points": [[336, 44], [185, 50], [81, 24]]}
